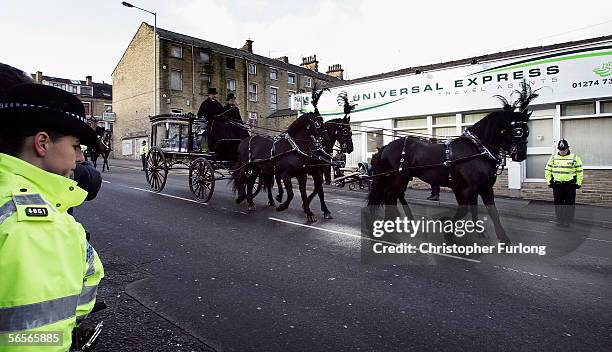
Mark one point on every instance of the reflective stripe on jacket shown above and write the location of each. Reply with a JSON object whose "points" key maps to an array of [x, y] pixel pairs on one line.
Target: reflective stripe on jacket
{"points": [[44, 256], [564, 168]]}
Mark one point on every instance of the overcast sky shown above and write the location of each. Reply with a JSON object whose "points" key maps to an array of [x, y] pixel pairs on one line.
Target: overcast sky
{"points": [[72, 39]]}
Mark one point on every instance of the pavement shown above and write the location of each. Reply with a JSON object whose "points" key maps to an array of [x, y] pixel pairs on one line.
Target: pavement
{"points": [[182, 275], [516, 207]]}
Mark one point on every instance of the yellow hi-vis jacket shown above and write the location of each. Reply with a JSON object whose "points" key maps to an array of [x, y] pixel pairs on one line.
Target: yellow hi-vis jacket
{"points": [[144, 149], [49, 273], [564, 168]]}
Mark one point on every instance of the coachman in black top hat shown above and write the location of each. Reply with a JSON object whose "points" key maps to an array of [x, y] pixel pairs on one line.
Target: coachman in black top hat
{"points": [[210, 108], [231, 109]]}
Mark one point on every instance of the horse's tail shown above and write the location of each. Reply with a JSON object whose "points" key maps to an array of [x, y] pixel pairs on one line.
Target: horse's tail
{"points": [[239, 177], [376, 195]]}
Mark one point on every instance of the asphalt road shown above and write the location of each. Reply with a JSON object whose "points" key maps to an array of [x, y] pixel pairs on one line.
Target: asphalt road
{"points": [[186, 276]]}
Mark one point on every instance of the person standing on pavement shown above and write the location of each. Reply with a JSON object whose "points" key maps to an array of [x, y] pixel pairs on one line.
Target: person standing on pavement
{"points": [[564, 175], [435, 193], [143, 154], [49, 273]]}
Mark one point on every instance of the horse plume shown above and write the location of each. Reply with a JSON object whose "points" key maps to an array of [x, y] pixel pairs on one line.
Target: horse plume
{"points": [[526, 95], [343, 100], [504, 101], [316, 95]]}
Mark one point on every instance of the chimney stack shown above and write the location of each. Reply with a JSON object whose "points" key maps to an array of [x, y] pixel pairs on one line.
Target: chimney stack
{"points": [[310, 63], [336, 71], [248, 46], [284, 59], [88, 80], [38, 77]]}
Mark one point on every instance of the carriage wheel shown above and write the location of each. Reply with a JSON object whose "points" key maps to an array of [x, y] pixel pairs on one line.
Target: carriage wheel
{"points": [[157, 169], [202, 179]]}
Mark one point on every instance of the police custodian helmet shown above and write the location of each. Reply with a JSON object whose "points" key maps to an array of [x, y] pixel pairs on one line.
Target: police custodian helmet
{"points": [[28, 108], [562, 145]]}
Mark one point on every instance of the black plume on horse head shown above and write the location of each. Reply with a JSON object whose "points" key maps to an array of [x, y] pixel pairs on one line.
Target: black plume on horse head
{"points": [[526, 95], [343, 101], [316, 95]]}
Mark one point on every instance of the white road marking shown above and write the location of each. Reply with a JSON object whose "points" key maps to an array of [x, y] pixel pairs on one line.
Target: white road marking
{"points": [[597, 239], [360, 237], [106, 181], [524, 272], [169, 195]]}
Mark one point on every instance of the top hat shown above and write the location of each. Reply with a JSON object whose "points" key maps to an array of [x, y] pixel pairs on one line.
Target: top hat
{"points": [[230, 96], [212, 91], [29, 108], [562, 145]]}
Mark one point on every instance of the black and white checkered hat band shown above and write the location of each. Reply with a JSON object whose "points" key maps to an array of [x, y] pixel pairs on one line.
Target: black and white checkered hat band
{"points": [[34, 106]]}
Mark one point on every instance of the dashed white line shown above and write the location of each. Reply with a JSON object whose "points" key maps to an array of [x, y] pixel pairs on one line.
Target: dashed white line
{"points": [[106, 181], [597, 239], [168, 195], [360, 237]]}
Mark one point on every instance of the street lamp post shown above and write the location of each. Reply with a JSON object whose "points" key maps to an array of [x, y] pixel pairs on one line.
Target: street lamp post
{"points": [[127, 4]]}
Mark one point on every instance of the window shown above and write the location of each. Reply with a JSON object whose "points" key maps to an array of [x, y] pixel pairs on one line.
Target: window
{"points": [[58, 85], [596, 150], [252, 92], [108, 108], [87, 106], [415, 122], [273, 98], [307, 82], [444, 131], [73, 89], [470, 119], [444, 120], [606, 107], [230, 63], [291, 78], [176, 80], [252, 115], [534, 166], [176, 51], [252, 69], [86, 91], [204, 57], [577, 109], [231, 85], [205, 77], [290, 94], [273, 74]]}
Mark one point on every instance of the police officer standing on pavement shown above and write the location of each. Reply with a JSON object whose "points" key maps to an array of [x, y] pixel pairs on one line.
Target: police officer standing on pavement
{"points": [[49, 273], [564, 175], [143, 154]]}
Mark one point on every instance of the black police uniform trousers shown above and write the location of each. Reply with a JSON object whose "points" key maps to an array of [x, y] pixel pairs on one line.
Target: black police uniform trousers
{"points": [[143, 157], [565, 199]]}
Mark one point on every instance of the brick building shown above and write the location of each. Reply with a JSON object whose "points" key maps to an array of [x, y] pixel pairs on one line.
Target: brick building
{"points": [[187, 67], [443, 99], [97, 98]]}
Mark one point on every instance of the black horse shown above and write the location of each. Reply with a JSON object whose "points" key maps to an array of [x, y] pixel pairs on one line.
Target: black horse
{"points": [[287, 155], [103, 148], [224, 134], [338, 130], [467, 164]]}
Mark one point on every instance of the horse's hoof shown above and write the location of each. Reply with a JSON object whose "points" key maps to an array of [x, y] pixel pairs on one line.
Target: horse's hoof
{"points": [[279, 198], [281, 208], [311, 219], [327, 216], [271, 204], [240, 199], [251, 207]]}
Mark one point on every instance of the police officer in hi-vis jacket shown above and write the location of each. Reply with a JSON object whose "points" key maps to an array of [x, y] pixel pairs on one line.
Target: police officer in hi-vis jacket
{"points": [[564, 175], [49, 273]]}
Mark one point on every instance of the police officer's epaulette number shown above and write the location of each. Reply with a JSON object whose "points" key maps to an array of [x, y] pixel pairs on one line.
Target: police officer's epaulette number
{"points": [[36, 211]]}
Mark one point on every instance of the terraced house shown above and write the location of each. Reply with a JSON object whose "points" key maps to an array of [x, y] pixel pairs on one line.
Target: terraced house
{"points": [[187, 66]]}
